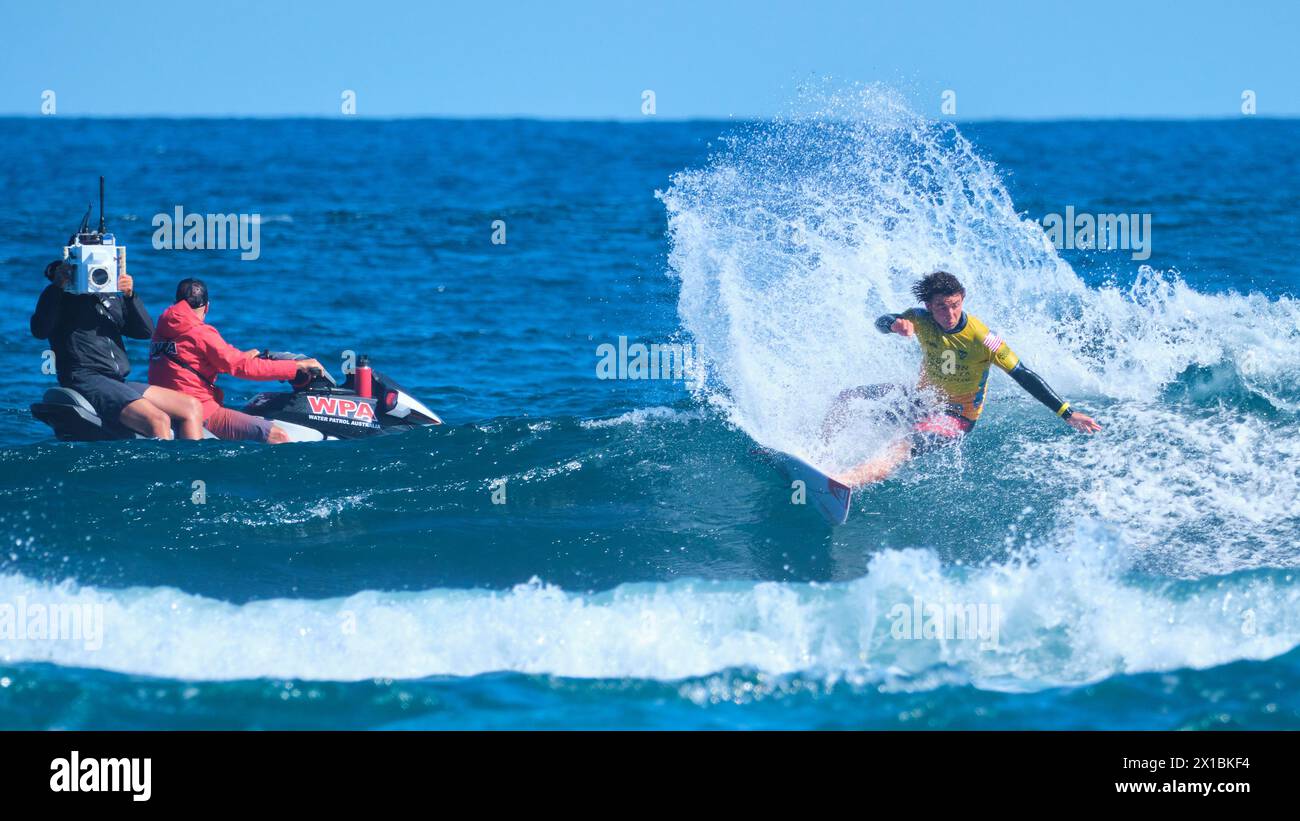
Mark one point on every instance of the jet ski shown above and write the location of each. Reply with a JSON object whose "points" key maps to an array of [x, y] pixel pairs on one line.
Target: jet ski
{"points": [[315, 408]]}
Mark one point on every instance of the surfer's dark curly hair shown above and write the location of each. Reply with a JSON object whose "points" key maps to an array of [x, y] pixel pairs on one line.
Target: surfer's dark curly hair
{"points": [[938, 284]]}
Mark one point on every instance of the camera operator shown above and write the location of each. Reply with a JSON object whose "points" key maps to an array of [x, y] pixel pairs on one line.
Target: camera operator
{"points": [[85, 332]]}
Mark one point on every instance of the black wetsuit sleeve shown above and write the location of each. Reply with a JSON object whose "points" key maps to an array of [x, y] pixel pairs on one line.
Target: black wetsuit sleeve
{"points": [[886, 322], [139, 325], [48, 310], [1037, 388]]}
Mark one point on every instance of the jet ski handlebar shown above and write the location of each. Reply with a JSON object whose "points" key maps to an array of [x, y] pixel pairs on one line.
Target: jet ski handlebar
{"points": [[312, 373]]}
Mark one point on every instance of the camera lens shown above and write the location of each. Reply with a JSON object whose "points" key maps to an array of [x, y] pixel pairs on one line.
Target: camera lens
{"points": [[99, 277]]}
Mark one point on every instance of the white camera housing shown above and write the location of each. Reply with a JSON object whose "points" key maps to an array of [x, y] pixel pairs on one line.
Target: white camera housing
{"points": [[95, 263]]}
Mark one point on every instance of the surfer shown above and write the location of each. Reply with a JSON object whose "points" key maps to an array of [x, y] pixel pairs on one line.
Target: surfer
{"points": [[957, 350]]}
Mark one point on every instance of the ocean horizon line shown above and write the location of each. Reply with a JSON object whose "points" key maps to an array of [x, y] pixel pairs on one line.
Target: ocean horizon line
{"points": [[645, 119]]}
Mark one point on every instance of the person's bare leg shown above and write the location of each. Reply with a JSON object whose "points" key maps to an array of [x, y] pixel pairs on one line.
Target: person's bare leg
{"points": [[143, 416], [834, 418], [185, 410], [878, 468]]}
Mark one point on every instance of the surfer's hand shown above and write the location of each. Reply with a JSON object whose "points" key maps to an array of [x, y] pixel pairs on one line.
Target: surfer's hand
{"points": [[902, 327], [1085, 424], [305, 366]]}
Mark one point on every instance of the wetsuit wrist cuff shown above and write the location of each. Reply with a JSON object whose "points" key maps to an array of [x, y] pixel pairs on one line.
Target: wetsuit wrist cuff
{"points": [[1065, 412]]}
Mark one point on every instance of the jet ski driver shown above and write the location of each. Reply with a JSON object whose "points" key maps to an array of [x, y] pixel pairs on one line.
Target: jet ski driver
{"points": [[187, 355]]}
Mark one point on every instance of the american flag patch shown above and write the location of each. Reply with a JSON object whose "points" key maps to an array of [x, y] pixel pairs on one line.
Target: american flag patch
{"points": [[993, 342]]}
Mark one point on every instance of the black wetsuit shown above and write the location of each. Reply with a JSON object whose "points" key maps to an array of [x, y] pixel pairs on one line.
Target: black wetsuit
{"points": [[85, 332]]}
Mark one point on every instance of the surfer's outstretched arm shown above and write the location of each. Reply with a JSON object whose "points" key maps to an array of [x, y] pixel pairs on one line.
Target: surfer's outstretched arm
{"points": [[1040, 390]]}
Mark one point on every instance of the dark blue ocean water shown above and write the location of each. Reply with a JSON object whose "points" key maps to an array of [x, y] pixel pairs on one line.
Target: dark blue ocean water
{"points": [[646, 569]]}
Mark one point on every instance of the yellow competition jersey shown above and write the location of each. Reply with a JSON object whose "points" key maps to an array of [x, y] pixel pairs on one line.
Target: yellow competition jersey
{"points": [[957, 362]]}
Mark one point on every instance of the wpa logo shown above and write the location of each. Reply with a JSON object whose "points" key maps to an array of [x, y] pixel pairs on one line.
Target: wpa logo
{"points": [[341, 408]]}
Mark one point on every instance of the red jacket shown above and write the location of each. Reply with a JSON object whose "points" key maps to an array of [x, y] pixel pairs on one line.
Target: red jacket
{"points": [[180, 334]]}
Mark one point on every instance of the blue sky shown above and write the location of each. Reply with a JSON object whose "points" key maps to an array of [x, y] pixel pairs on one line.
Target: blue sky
{"points": [[1043, 59]]}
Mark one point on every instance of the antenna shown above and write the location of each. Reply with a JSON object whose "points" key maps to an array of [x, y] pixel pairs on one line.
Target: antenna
{"points": [[101, 204], [85, 221]]}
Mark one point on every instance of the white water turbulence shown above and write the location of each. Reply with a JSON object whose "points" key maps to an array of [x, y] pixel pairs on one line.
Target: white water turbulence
{"points": [[804, 230], [1064, 620], [801, 231]]}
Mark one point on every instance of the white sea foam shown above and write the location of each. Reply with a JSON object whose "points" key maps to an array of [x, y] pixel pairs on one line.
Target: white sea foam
{"points": [[642, 416], [1198, 494], [1068, 617]]}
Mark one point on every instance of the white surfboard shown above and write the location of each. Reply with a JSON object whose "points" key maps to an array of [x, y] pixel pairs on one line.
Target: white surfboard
{"points": [[827, 496]]}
